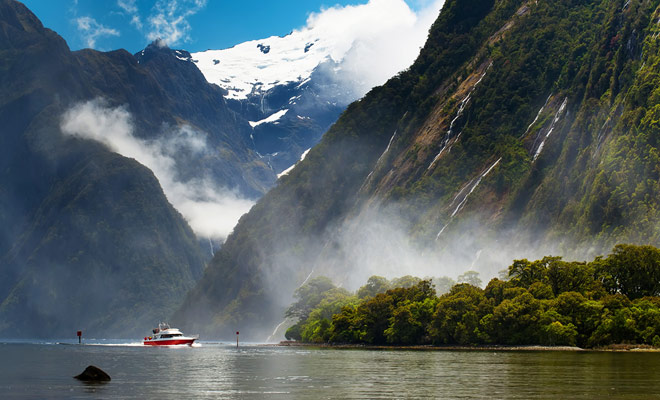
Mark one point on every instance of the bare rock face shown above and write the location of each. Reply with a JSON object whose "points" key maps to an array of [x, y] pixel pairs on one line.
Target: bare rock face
{"points": [[93, 374]]}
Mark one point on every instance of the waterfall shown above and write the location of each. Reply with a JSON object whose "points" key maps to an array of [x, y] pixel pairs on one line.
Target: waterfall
{"points": [[272, 335], [442, 230], [389, 144], [306, 279], [461, 108], [600, 136], [476, 258], [212, 250], [538, 114], [476, 184], [448, 135], [552, 127], [473, 187]]}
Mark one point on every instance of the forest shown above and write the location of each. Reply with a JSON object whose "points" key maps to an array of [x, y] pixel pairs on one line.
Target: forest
{"points": [[552, 302]]}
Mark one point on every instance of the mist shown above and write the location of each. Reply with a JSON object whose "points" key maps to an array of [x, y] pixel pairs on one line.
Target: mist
{"points": [[211, 210], [382, 240]]}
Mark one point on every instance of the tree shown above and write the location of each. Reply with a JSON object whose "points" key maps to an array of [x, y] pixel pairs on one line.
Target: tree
{"points": [[565, 276], [457, 315], [556, 334], [523, 272], [582, 313], [470, 277], [373, 317], [405, 281], [376, 284], [633, 271], [443, 284], [309, 296], [515, 321], [404, 327]]}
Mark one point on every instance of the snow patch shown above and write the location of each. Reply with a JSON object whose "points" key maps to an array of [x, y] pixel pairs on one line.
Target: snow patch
{"points": [[271, 119], [286, 171]]}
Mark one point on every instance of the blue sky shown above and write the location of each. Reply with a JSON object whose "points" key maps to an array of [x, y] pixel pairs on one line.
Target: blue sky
{"points": [[194, 25]]}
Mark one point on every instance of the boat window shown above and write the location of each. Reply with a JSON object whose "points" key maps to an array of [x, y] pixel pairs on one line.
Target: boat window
{"points": [[165, 336]]}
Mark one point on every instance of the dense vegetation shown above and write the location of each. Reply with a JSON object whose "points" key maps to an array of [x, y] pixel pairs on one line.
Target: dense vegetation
{"points": [[609, 300]]}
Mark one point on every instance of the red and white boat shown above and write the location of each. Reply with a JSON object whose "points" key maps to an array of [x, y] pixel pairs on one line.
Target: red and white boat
{"points": [[166, 336]]}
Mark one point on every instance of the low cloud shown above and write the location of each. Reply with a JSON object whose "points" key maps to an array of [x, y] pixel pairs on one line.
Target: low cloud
{"points": [[91, 30], [210, 210], [169, 20]]}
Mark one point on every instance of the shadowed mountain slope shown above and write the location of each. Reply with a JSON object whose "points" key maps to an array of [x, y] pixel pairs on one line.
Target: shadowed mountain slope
{"points": [[88, 239]]}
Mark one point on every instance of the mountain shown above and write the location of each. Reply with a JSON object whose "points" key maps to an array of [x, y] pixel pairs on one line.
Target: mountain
{"points": [[291, 88], [523, 128], [88, 238]]}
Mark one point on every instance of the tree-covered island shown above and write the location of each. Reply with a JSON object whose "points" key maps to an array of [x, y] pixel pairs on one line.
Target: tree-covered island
{"points": [[610, 300]]}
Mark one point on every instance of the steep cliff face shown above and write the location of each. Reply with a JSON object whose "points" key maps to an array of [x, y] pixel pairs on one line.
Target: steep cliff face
{"points": [[88, 239], [524, 127]]}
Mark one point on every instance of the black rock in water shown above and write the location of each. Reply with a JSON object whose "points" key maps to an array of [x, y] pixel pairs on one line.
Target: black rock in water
{"points": [[93, 374]]}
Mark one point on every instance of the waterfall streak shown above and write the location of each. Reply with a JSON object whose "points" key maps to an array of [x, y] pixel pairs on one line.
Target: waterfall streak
{"points": [[552, 127], [389, 144], [448, 135], [272, 335], [473, 187], [476, 184], [538, 114], [306, 279], [460, 192], [441, 230], [284, 321], [461, 108]]}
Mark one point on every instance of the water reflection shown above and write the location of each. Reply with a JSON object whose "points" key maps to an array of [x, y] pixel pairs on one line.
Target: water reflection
{"points": [[252, 372]]}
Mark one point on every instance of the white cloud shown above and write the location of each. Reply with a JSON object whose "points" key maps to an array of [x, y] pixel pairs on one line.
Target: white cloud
{"points": [[128, 5], [376, 40], [169, 20], [131, 9], [370, 42], [91, 30], [210, 210]]}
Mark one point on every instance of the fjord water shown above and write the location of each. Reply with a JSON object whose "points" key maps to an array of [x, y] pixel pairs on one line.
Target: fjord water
{"points": [[45, 370]]}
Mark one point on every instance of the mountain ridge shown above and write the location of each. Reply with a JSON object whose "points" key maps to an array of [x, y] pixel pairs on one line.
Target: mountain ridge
{"points": [[88, 239]]}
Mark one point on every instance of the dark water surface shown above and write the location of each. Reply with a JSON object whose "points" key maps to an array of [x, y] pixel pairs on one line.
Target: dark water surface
{"points": [[45, 370]]}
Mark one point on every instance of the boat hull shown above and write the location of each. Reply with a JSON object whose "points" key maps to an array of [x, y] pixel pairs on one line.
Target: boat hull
{"points": [[169, 342]]}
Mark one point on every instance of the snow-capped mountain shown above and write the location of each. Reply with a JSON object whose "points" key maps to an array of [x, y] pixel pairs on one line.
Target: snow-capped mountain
{"points": [[292, 88], [255, 67]]}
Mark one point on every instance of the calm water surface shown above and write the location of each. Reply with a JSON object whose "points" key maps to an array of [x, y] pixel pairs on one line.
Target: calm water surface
{"points": [[216, 370]]}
